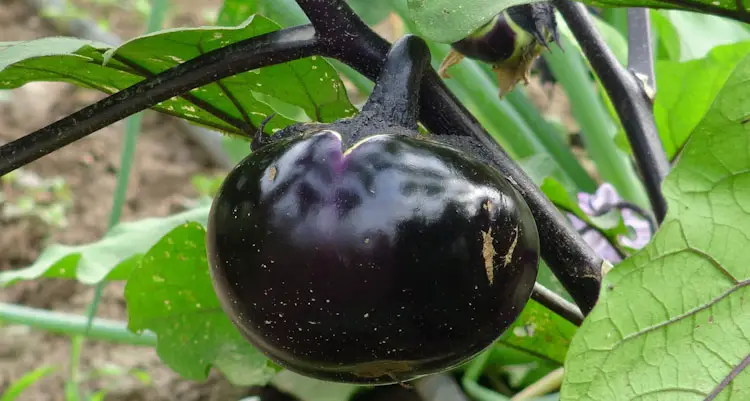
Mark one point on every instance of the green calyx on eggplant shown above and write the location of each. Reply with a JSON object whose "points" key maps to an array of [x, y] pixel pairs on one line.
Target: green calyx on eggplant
{"points": [[363, 252], [510, 42]]}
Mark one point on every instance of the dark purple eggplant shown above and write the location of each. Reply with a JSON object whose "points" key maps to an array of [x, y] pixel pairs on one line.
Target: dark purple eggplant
{"points": [[363, 252]]}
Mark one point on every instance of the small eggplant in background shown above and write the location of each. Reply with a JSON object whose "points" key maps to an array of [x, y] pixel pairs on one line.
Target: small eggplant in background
{"points": [[510, 42]]}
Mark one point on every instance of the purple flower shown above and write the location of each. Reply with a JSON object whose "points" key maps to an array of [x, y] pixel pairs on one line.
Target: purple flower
{"points": [[606, 197]]}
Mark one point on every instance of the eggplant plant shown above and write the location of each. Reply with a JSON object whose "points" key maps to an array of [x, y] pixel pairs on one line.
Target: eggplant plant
{"points": [[363, 248]]}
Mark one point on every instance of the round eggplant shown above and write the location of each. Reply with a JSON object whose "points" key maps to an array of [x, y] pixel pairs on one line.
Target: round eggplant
{"points": [[362, 252], [397, 258]]}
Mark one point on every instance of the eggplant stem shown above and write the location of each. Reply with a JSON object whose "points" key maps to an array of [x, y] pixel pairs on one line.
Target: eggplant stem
{"points": [[395, 99]]}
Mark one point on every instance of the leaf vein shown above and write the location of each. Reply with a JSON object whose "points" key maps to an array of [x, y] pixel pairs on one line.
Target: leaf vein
{"points": [[689, 313]]}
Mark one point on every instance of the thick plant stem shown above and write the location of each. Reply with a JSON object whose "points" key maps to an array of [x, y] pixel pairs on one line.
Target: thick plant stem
{"points": [[399, 82], [632, 104]]}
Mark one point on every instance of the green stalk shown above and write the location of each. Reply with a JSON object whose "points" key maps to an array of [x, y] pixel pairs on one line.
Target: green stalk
{"points": [[73, 325], [597, 128]]}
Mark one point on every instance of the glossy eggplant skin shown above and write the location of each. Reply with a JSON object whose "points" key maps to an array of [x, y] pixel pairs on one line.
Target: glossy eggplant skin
{"points": [[398, 258]]}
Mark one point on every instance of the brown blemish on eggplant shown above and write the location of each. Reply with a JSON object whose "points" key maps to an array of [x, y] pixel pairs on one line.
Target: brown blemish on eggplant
{"points": [[488, 253], [509, 254]]}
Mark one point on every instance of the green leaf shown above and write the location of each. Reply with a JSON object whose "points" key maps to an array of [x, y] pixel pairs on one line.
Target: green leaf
{"points": [[235, 12], [691, 32], [672, 321], [112, 258], [540, 332], [447, 21], [170, 293], [686, 91], [13, 392], [311, 83]]}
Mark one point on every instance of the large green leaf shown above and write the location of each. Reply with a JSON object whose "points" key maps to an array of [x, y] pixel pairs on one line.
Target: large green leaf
{"points": [[170, 294], [113, 257], [673, 321], [686, 91], [310, 84], [447, 21]]}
